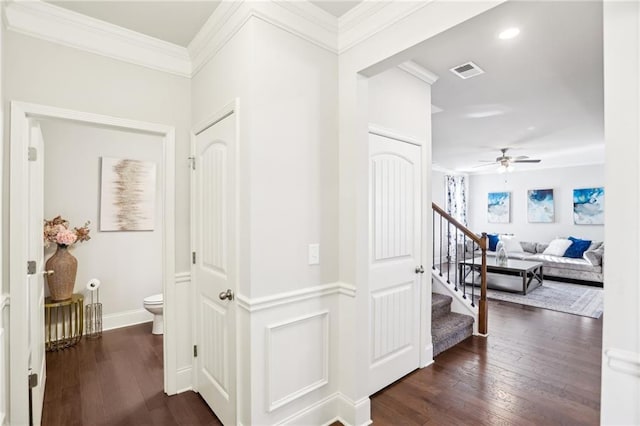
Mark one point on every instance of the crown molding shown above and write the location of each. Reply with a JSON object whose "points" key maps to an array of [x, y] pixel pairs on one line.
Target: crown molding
{"points": [[419, 72], [55, 24], [302, 19], [58, 25], [370, 17]]}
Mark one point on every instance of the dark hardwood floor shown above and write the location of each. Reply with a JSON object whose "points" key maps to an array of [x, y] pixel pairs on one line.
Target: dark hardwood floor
{"points": [[116, 380], [537, 367]]}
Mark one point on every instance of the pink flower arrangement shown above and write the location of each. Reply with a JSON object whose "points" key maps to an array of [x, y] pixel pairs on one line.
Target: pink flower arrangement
{"points": [[57, 231]]}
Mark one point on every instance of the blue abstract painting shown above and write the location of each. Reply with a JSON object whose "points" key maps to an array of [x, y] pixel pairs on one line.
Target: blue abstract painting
{"points": [[498, 207], [540, 205], [588, 206]]}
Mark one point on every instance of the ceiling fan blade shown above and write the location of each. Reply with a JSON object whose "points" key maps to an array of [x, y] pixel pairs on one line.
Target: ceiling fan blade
{"points": [[487, 161], [526, 161], [485, 165], [520, 157]]}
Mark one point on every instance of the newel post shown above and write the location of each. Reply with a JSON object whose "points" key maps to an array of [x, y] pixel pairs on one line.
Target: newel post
{"points": [[483, 308]]}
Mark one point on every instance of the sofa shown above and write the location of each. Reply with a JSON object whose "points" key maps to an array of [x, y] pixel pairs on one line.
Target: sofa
{"points": [[587, 269]]}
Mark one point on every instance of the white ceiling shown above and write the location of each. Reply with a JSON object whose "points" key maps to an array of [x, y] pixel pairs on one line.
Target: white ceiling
{"points": [[173, 21], [336, 8], [542, 94]]}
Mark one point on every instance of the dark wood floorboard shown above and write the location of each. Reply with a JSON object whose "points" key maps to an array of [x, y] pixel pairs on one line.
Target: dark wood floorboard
{"points": [[537, 367], [116, 380]]}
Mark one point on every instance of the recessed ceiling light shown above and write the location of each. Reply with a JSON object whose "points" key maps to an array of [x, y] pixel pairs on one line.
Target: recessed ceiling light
{"points": [[509, 33]]}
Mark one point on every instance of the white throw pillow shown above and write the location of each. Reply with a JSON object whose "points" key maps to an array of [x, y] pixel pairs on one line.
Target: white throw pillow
{"points": [[557, 247], [511, 245]]}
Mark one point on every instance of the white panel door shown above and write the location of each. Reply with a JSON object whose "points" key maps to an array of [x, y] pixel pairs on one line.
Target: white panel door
{"points": [[394, 254], [26, 347], [214, 268], [35, 286]]}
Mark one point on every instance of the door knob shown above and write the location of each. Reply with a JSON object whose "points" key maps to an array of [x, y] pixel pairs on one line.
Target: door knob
{"points": [[226, 295], [49, 272], [419, 270]]}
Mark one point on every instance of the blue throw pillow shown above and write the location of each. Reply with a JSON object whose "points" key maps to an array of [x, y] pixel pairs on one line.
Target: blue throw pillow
{"points": [[577, 248], [493, 241]]}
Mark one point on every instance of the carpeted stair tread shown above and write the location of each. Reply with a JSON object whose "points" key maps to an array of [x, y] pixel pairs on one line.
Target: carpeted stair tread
{"points": [[440, 305], [449, 330]]}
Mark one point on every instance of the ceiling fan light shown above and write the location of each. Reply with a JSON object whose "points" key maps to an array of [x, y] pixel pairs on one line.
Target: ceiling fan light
{"points": [[501, 169]]}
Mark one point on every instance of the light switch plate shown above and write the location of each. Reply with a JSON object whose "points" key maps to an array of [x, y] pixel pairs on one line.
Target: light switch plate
{"points": [[314, 254]]}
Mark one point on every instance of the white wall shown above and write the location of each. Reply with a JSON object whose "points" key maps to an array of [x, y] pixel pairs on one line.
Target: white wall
{"points": [[4, 313], [129, 264], [562, 181], [294, 179], [438, 187], [621, 331], [287, 90], [399, 102]]}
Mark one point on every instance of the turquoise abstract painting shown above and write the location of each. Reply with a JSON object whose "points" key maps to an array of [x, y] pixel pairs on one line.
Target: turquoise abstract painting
{"points": [[498, 207], [588, 206]]}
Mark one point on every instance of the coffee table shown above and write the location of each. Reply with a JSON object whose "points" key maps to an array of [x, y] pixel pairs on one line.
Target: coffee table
{"points": [[530, 271]]}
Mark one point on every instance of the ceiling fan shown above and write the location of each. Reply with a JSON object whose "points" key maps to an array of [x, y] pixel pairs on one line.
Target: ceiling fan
{"points": [[505, 162]]}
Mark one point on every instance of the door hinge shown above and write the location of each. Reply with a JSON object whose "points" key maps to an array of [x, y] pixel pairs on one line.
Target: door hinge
{"points": [[31, 267], [192, 162], [195, 351], [33, 153], [33, 380], [193, 257]]}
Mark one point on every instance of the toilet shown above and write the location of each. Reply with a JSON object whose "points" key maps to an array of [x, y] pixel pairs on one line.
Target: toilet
{"points": [[154, 304]]}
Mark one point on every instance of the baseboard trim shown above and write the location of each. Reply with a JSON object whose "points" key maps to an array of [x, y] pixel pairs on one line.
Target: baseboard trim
{"points": [[324, 412], [319, 413], [354, 413], [183, 379], [125, 319]]}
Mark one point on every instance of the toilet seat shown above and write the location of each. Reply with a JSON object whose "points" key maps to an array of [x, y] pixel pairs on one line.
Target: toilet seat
{"points": [[156, 299]]}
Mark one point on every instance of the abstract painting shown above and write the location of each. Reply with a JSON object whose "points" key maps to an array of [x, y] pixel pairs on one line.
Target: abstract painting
{"points": [[128, 195], [540, 205], [498, 207], [588, 206]]}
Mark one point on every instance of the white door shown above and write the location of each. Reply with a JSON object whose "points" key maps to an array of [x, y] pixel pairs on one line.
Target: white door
{"points": [[394, 254], [214, 269], [36, 281], [27, 347]]}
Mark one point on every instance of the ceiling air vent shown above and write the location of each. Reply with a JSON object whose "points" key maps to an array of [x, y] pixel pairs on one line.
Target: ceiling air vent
{"points": [[467, 70]]}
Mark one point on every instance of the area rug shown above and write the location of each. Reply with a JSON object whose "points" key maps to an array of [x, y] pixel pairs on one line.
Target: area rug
{"points": [[556, 296]]}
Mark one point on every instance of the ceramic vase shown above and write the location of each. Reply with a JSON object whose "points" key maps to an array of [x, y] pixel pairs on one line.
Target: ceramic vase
{"points": [[501, 255], [64, 266]]}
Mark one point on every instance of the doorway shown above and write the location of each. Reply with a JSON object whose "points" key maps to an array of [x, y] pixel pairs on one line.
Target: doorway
{"points": [[26, 203]]}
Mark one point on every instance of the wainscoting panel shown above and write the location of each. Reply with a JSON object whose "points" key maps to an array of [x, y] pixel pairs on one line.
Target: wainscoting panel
{"points": [[391, 321], [291, 349], [299, 341]]}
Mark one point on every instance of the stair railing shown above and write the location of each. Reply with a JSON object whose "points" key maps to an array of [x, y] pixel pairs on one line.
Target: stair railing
{"points": [[461, 243]]}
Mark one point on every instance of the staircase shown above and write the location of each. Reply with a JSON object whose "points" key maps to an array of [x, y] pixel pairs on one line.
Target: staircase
{"points": [[447, 328]]}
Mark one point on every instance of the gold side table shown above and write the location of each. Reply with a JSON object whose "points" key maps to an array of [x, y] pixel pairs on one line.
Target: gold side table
{"points": [[64, 322]]}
